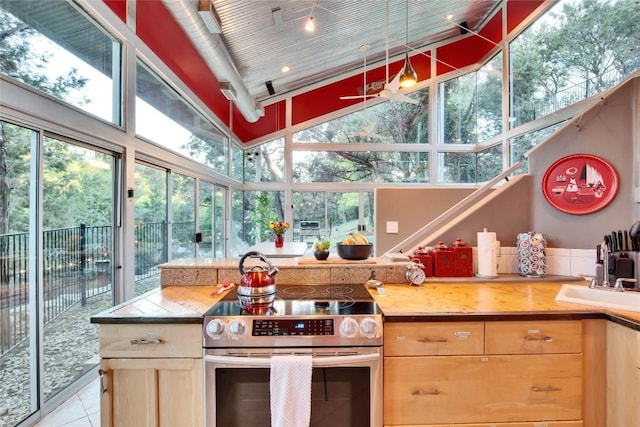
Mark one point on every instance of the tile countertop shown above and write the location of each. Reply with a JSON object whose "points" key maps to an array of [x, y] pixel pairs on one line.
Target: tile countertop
{"points": [[401, 302], [172, 304]]}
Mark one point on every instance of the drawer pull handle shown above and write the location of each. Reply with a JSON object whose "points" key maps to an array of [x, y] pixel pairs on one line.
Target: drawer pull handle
{"points": [[545, 389], [434, 392], [545, 338], [102, 374], [146, 341], [432, 340]]}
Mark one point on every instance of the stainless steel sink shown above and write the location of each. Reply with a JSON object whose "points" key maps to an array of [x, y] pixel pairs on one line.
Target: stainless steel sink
{"points": [[583, 294]]}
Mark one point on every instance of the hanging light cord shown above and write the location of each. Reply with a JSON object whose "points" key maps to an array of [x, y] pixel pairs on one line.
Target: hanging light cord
{"points": [[409, 76]]}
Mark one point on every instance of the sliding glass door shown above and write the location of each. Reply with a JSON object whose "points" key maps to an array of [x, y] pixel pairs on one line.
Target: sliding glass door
{"points": [[77, 238], [18, 272], [151, 231], [56, 268], [212, 221]]}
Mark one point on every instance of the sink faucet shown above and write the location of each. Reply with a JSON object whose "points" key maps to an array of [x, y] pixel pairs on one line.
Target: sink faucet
{"points": [[618, 286]]}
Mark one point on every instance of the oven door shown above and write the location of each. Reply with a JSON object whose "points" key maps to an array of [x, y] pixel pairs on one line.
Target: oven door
{"points": [[346, 388]]}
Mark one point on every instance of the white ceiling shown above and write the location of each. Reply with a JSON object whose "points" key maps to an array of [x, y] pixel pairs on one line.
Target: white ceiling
{"points": [[259, 48]]}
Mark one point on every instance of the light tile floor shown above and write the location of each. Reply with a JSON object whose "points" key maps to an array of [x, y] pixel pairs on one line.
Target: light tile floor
{"points": [[81, 410]]}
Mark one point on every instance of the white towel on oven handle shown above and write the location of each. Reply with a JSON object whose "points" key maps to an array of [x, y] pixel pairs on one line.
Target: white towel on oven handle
{"points": [[290, 387]]}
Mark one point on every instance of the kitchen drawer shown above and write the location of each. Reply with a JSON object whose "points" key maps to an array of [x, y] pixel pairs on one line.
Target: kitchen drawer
{"points": [[529, 424], [425, 338], [482, 389], [534, 337], [150, 340]]}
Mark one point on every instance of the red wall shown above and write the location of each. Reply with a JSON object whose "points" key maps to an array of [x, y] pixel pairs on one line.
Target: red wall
{"points": [[119, 7], [449, 57]]}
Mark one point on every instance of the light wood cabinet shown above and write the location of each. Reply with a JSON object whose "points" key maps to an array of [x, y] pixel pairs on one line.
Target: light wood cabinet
{"points": [[623, 376], [524, 372], [151, 375]]}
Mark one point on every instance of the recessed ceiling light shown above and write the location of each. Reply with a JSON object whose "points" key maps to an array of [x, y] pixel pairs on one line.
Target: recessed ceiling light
{"points": [[286, 69], [449, 17]]}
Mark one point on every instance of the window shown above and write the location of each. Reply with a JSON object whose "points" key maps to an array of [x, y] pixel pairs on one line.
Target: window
{"points": [[472, 105], [386, 122], [63, 53], [151, 230], [360, 166], [522, 144], [574, 51], [265, 163], [260, 208], [164, 117]]}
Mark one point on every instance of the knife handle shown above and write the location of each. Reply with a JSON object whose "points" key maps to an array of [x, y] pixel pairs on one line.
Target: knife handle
{"points": [[626, 241], [620, 246]]}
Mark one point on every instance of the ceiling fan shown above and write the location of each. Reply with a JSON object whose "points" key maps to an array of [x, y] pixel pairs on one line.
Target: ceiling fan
{"points": [[367, 129], [391, 89]]}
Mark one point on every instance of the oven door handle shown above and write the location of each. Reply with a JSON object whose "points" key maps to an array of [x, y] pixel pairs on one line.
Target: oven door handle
{"points": [[317, 362]]}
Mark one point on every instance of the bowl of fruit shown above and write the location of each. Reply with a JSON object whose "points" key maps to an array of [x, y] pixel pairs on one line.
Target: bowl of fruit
{"points": [[355, 247]]}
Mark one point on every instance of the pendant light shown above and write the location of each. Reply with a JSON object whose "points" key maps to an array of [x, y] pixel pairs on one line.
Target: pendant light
{"points": [[310, 24], [409, 77]]}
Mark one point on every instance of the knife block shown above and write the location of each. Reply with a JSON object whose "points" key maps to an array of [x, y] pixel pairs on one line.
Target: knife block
{"points": [[623, 265]]}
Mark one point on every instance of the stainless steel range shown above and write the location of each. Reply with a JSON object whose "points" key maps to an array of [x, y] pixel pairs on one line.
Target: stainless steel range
{"points": [[340, 326]]}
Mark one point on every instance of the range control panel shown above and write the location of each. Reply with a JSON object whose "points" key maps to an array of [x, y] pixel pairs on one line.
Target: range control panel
{"points": [[283, 327], [292, 331]]}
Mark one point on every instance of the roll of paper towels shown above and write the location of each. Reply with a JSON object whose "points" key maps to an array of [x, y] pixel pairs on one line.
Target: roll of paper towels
{"points": [[488, 252]]}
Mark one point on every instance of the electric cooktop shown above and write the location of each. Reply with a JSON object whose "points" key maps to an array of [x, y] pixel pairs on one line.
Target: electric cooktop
{"points": [[303, 300]]}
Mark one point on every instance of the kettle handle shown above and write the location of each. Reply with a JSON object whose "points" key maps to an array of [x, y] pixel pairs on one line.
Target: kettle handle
{"points": [[255, 254]]}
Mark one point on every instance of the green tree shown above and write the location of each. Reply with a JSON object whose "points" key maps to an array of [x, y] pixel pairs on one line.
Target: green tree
{"points": [[591, 43], [18, 61]]}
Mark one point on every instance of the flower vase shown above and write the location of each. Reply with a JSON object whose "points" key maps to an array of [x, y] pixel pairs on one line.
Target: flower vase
{"points": [[279, 240]]}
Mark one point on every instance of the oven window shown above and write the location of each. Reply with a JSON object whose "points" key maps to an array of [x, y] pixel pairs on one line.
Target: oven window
{"points": [[339, 397]]}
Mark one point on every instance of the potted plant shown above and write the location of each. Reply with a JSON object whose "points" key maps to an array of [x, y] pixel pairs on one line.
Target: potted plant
{"points": [[321, 249]]}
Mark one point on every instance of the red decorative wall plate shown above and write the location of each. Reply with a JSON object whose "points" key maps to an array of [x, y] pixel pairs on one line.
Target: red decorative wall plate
{"points": [[580, 184]]}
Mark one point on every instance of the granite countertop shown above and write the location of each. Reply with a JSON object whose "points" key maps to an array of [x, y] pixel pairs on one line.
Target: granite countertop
{"points": [[443, 301]]}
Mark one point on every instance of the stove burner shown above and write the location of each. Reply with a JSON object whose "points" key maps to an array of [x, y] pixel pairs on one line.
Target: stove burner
{"points": [[297, 292]]}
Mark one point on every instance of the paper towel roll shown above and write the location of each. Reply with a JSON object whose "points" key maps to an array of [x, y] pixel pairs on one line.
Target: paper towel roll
{"points": [[488, 252]]}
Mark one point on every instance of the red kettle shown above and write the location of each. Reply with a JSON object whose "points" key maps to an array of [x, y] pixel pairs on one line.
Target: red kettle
{"points": [[256, 280]]}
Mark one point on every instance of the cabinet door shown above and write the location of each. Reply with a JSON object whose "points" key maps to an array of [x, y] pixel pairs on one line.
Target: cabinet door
{"points": [[152, 392], [467, 389], [543, 424], [623, 376]]}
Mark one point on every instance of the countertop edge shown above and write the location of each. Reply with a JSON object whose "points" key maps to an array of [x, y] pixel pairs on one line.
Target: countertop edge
{"points": [[133, 320]]}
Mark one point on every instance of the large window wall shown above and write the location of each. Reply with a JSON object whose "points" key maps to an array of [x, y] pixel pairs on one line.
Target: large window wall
{"points": [[466, 127], [92, 203]]}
